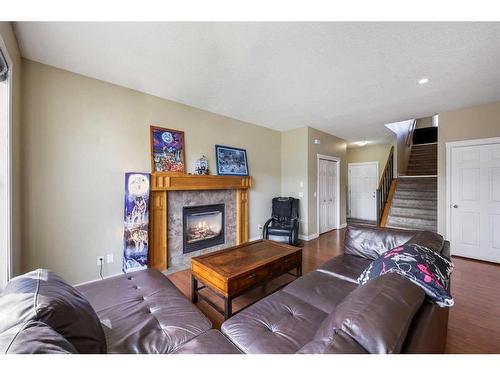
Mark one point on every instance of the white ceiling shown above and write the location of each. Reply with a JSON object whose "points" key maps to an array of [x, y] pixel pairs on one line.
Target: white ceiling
{"points": [[347, 79]]}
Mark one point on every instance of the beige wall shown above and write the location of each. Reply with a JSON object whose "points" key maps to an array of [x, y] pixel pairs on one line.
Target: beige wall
{"points": [[425, 122], [331, 146], [377, 152], [81, 135], [9, 38], [401, 149], [476, 122], [294, 170]]}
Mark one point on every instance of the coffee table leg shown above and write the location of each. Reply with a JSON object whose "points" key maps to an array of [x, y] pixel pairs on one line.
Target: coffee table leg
{"points": [[299, 270], [228, 307], [194, 289]]}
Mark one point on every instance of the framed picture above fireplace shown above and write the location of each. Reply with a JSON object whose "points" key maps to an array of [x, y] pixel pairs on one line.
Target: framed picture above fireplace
{"points": [[231, 161], [168, 152]]}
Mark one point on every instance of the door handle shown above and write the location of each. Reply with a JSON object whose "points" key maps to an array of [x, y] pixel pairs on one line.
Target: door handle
{"points": [[455, 206]]}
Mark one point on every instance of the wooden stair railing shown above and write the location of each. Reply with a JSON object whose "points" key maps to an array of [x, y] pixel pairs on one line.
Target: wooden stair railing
{"points": [[385, 184]]}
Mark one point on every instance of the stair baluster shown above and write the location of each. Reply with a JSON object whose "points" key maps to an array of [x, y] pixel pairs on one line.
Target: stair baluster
{"points": [[385, 184]]}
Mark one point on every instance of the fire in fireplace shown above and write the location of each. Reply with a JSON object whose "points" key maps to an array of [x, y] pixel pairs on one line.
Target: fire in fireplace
{"points": [[203, 226]]}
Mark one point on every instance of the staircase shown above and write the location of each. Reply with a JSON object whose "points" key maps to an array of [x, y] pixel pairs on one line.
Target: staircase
{"points": [[414, 205], [423, 160]]}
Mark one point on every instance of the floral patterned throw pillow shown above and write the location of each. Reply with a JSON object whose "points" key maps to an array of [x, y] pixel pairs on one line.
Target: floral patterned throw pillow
{"points": [[420, 265]]}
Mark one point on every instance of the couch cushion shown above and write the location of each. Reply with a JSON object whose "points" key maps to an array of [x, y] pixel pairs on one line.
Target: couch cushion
{"points": [[371, 242], [431, 240], [338, 343], [279, 323], [43, 296], [345, 267], [34, 337], [143, 312], [210, 342], [377, 315], [320, 289]]}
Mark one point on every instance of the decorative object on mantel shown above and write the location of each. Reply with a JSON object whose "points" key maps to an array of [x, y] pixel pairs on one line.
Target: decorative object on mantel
{"points": [[201, 166], [231, 161], [168, 152], [136, 222]]}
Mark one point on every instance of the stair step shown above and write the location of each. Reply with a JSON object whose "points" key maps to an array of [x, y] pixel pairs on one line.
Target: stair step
{"points": [[412, 223], [419, 187], [424, 172], [414, 212], [422, 161], [421, 203], [417, 180], [424, 145], [424, 153], [408, 194]]}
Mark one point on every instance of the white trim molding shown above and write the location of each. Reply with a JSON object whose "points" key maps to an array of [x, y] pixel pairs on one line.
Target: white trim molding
{"points": [[104, 278], [449, 147], [6, 262], [310, 237], [337, 193]]}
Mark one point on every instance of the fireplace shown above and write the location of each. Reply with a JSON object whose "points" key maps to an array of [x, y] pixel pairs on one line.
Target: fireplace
{"points": [[202, 227]]}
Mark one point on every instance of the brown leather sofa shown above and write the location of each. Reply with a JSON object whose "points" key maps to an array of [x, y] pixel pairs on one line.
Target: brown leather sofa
{"points": [[326, 311], [141, 312]]}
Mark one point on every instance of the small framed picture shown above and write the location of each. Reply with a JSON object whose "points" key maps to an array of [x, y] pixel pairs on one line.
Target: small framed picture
{"points": [[168, 153], [231, 161]]}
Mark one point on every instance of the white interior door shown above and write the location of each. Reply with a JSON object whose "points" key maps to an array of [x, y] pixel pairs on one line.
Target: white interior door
{"points": [[475, 202], [363, 179], [327, 195]]}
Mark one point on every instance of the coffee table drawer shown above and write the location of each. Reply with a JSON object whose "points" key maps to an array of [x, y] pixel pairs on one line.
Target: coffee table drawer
{"points": [[287, 264], [242, 283]]}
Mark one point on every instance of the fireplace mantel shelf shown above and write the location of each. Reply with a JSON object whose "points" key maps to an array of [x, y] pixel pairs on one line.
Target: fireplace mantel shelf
{"points": [[169, 182], [163, 183]]}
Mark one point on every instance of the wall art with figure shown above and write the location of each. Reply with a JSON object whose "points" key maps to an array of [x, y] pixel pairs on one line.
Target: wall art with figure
{"points": [[167, 150], [136, 222]]}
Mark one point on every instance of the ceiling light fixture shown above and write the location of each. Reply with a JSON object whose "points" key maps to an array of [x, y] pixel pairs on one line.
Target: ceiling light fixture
{"points": [[361, 143], [423, 81]]}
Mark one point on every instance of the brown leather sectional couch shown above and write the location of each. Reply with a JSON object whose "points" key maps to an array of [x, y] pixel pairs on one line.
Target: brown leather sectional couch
{"points": [[324, 311]]}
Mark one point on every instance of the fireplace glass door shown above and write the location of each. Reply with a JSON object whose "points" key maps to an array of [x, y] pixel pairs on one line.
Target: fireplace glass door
{"points": [[203, 227]]}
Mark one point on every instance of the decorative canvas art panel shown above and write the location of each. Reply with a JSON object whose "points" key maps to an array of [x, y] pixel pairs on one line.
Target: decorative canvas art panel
{"points": [[136, 222], [167, 150], [231, 161]]}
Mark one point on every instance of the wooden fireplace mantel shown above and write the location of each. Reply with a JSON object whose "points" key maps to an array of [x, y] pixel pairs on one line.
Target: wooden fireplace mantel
{"points": [[162, 183]]}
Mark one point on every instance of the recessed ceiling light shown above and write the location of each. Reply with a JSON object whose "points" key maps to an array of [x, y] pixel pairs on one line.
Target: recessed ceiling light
{"points": [[362, 143], [423, 81]]}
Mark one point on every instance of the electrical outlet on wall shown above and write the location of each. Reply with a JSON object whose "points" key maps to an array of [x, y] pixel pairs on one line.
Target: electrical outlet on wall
{"points": [[100, 260], [109, 258], [260, 226]]}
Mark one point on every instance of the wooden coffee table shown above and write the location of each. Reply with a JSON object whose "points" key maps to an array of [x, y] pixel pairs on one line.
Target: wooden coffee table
{"points": [[233, 271]]}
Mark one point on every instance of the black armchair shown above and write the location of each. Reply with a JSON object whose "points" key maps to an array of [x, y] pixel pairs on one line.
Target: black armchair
{"points": [[284, 221]]}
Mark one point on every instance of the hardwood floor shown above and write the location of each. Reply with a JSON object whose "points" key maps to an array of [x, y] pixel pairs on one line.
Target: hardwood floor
{"points": [[474, 325]]}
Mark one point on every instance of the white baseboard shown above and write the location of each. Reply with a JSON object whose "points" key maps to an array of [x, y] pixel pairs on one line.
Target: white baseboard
{"points": [[309, 237], [255, 238], [104, 278], [343, 225]]}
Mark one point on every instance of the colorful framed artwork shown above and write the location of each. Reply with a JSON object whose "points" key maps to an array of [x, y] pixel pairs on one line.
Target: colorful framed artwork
{"points": [[136, 222], [231, 161], [168, 153]]}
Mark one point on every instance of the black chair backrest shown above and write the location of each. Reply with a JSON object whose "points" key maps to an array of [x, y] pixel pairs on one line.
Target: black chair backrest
{"points": [[285, 209]]}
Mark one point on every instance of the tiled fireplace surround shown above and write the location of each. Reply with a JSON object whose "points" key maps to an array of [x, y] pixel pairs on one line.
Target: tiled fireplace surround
{"points": [[179, 199], [170, 193]]}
